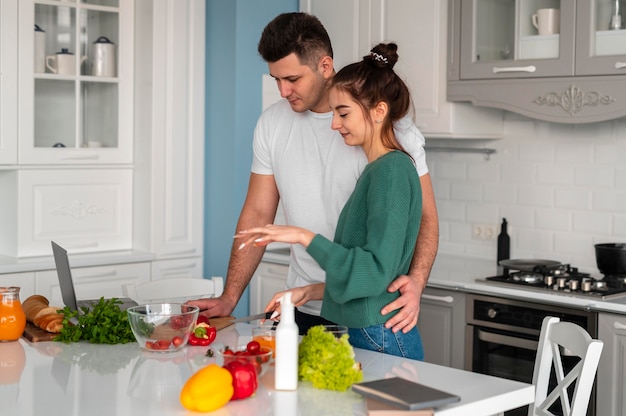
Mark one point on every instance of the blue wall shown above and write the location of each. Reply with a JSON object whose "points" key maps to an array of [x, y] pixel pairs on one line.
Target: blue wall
{"points": [[233, 104]]}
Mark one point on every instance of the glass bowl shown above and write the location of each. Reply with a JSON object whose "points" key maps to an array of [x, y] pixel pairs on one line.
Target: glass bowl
{"points": [[162, 327], [265, 335], [260, 361]]}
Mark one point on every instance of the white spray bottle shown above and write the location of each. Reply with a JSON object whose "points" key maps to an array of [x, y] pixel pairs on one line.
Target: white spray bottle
{"points": [[286, 369]]}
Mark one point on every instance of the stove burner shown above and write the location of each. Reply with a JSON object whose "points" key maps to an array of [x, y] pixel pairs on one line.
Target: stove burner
{"points": [[564, 279], [527, 277]]}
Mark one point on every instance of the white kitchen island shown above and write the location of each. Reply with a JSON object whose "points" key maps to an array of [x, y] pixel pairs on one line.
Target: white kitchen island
{"points": [[84, 379]]}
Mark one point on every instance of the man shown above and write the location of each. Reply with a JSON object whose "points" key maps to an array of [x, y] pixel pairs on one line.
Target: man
{"points": [[301, 162]]}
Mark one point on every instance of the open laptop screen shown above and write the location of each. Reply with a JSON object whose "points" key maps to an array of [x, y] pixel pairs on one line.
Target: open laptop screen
{"points": [[65, 276]]}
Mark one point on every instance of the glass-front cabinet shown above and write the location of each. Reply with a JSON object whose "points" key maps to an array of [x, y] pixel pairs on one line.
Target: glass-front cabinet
{"points": [[77, 84], [556, 60], [601, 37], [517, 38]]}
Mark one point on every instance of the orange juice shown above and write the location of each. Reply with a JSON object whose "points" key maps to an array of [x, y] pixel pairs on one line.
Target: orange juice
{"points": [[12, 317], [266, 341]]}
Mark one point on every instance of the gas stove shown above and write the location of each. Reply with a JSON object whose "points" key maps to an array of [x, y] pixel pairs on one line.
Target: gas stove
{"points": [[563, 279]]}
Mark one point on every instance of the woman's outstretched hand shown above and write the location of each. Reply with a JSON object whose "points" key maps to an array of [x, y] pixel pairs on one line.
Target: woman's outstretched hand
{"points": [[262, 236]]}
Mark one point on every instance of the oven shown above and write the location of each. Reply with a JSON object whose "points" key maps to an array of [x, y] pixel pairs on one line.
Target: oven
{"points": [[502, 337]]}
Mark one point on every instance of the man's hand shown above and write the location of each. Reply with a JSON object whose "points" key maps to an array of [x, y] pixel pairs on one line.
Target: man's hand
{"points": [[211, 307], [408, 303]]}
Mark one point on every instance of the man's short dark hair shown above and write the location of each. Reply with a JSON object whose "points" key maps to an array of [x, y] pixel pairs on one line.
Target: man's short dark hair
{"points": [[299, 33]]}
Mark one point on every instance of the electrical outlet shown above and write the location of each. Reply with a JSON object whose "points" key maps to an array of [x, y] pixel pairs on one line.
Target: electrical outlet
{"points": [[484, 232]]}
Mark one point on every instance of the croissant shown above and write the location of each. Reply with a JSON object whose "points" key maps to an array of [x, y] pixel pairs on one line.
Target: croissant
{"points": [[37, 310]]}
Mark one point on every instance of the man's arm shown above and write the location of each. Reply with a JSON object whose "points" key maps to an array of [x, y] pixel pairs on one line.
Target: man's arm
{"points": [[412, 286], [259, 209]]}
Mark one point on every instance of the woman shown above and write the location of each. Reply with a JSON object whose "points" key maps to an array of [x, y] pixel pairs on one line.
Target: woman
{"points": [[377, 229]]}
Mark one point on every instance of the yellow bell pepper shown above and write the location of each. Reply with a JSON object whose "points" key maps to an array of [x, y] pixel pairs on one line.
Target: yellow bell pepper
{"points": [[208, 389]]}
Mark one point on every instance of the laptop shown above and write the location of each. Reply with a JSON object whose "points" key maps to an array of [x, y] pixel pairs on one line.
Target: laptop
{"points": [[67, 284]]}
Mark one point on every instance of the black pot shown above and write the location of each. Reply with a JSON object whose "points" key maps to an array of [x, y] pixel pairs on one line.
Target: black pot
{"points": [[611, 258]]}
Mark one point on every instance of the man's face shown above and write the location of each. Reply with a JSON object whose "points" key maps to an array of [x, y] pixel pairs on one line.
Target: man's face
{"points": [[304, 88]]}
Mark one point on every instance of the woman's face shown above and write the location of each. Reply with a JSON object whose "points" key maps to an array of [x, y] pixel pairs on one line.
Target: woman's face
{"points": [[349, 119]]}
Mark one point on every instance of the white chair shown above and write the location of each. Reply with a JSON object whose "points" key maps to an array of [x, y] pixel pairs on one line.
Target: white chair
{"points": [[179, 289], [557, 339]]}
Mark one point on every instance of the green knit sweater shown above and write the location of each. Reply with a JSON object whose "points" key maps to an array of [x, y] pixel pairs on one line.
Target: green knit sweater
{"points": [[374, 242]]}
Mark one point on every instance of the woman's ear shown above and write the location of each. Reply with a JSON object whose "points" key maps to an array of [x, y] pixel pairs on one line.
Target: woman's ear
{"points": [[380, 110]]}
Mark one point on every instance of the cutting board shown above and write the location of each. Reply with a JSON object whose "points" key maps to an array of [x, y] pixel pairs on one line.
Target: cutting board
{"points": [[34, 334], [221, 322]]}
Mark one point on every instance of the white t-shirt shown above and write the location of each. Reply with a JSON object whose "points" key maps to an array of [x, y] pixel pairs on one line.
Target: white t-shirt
{"points": [[315, 173]]}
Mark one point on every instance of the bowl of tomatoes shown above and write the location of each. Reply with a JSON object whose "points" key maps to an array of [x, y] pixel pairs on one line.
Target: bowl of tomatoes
{"points": [[162, 327], [253, 353]]}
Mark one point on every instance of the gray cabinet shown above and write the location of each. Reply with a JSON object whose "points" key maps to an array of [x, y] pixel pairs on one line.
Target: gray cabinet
{"points": [[442, 326], [499, 58], [611, 390]]}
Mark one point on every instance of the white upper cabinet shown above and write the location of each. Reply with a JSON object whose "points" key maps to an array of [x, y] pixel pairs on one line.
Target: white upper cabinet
{"points": [[8, 82], [76, 82], [419, 28]]}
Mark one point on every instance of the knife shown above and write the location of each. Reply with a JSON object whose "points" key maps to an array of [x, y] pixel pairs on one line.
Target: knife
{"points": [[263, 315]]}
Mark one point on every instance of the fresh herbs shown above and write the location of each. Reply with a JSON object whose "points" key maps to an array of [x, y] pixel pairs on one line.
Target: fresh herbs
{"points": [[103, 323]]}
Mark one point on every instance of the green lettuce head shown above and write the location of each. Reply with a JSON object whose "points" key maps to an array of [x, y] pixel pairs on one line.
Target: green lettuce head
{"points": [[326, 361]]}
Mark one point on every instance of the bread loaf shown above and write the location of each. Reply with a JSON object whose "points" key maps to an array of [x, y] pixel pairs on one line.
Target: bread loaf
{"points": [[39, 313]]}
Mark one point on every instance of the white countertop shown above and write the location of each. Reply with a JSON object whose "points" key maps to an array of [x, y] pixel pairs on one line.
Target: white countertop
{"points": [[92, 380], [461, 273]]}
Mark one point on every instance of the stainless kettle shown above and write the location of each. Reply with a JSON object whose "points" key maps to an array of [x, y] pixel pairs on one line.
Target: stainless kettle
{"points": [[103, 58]]}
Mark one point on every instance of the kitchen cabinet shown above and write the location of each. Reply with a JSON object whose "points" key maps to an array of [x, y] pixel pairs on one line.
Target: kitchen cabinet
{"points": [[176, 123], [83, 211], [8, 82], [141, 192], [268, 279], [93, 282], [442, 326], [25, 281], [611, 380], [187, 267], [497, 58], [419, 28], [69, 112]]}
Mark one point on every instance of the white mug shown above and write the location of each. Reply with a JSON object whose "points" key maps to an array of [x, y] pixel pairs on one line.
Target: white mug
{"points": [[547, 21], [62, 63]]}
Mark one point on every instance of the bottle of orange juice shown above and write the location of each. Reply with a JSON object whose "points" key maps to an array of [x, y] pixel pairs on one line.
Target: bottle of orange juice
{"points": [[12, 317]]}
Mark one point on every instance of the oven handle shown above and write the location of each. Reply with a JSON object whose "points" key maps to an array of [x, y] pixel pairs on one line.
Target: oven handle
{"points": [[507, 340]]}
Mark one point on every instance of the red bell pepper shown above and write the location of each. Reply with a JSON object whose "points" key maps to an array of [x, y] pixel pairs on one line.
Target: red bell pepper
{"points": [[244, 379], [202, 335]]}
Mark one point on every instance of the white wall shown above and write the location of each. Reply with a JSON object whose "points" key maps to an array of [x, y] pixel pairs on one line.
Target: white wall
{"points": [[562, 188]]}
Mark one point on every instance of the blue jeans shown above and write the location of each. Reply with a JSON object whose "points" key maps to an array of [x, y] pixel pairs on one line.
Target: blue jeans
{"points": [[380, 339]]}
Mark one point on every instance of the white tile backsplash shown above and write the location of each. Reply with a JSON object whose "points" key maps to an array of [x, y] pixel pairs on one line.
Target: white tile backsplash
{"points": [[561, 187]]}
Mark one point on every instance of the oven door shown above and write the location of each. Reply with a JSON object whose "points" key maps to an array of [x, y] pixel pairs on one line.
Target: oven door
{"points": [[512, 356]]}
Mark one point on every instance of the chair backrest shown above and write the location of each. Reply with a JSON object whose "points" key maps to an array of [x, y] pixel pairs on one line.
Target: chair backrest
{"points": [[174, 290], [557, 340]]}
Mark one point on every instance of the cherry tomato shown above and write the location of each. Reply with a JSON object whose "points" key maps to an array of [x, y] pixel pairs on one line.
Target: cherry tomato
{"points": [[161, 344], [149, 344], [177, 322], [202, 320], [253, 347], [177, 341]]}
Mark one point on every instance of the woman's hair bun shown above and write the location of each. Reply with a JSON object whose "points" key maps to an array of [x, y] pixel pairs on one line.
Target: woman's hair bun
{"points": [[383, 55]]}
